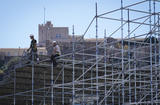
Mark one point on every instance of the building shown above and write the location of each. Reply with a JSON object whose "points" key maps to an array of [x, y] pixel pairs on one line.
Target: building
{"points": [[48, 32]]}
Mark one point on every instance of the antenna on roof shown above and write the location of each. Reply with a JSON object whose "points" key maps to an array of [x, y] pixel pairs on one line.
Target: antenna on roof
{"points": [[44, 15]]}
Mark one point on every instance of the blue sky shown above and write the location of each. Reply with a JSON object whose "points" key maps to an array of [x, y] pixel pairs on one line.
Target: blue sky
{"points": [[19, 18]]}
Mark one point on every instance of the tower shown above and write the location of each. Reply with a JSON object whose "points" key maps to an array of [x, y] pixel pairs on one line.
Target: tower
{"points": [[48, 32]]}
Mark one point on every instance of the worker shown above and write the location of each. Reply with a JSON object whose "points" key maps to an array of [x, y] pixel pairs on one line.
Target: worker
{"points": [[55, 53], [33, 48]]}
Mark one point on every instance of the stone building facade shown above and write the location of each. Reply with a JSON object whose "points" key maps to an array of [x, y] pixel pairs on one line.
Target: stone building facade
{"points": [[48, 32]]}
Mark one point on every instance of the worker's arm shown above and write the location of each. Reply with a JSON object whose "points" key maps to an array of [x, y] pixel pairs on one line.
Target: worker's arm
{"points": [[28, 49]]}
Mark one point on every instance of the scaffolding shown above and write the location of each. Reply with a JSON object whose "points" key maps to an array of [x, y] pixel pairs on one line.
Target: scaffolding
{"points": [[118, 72]]}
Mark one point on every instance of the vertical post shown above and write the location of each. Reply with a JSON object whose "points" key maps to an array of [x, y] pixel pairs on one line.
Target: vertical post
{"points": [[141, 82], [73, 72], [112, 56], [92, 84], [14, 86], [32, 78], [159, 37], [52, 83], [119, 93], [140, 78], [158, 44], [135, 76], [150, 21], [83, 103], [155, 52], [44, 95], [97, 95], [63, 85], [122, 52], [129, 57], [105, 65], [44, 15]]}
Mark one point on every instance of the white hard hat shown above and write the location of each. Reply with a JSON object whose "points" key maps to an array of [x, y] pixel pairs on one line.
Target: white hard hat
{"points": [[54, 42], [31, 35]]}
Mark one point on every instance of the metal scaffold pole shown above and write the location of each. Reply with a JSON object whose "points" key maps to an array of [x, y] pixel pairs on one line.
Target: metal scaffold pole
{"points": [[159, 39], [158, 73], [44, 96], [112, 76], [91, 84], [122, 53], [105, 66], [129, 57], [14, 86], [73, 65], [32, 78], [119, 96], [135, 71], [97, 89], [52, 81], [150, 34], [83, 102], [155, 52], [63, 84]]}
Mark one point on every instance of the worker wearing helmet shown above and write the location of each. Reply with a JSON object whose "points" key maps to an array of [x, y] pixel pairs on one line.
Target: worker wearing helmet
{"points": [[55, 53], [33, 47]]}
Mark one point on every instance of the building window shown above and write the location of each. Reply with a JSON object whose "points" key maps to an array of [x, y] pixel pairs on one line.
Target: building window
{"points": [[58, 36]]}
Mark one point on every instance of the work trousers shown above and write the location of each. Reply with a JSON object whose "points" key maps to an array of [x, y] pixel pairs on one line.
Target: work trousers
{"points": [[54, 58]]}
